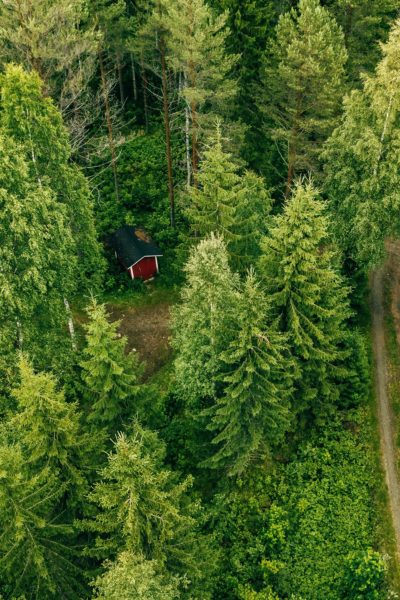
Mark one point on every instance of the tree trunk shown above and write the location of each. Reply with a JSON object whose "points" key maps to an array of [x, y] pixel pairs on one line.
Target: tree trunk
{"points": [[70, 324], [187, 133], [134, 85], [167, 133], [195, 155], [193, 108], [145, 105], [109, 123], [383, 134], [290, 173], [120, 80], [348, 27], [187, 142]]}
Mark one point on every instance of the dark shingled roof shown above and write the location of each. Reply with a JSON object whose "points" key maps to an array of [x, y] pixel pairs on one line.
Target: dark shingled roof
{"points": [[132, 244]]}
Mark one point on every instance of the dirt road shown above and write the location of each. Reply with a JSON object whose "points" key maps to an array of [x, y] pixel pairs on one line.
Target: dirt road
{"points": [[384, 410]]}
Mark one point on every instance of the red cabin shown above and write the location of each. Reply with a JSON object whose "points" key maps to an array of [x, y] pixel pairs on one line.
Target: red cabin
{"points": [[136, 252]]}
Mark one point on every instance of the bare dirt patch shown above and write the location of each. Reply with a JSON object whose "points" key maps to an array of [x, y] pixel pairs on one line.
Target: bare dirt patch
{"points": [[147, 329]]}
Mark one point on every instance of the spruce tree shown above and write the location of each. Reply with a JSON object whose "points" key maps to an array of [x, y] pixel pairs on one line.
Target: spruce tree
{"points": [[196, 50], [230, 204], [110, 377], [252, 412], [362, 164], [308, 297], [212, 203], [33, 121], [303, 85], [142, 508], [252, 218], [48, 427], [202, 323], [36, 550]]}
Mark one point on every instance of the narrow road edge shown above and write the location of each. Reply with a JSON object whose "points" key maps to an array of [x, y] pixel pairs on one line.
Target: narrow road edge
{"points": [[388, 449]]}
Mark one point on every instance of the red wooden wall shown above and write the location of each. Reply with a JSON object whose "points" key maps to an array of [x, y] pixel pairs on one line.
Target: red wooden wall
{"points": [[145, 268]]}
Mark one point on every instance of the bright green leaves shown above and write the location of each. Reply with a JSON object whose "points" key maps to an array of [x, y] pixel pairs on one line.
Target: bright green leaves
{"points": [[34, 122], [362, 179]]}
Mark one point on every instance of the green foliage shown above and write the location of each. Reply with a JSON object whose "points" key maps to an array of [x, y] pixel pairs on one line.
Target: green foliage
{"points": [[38, 261], [290, 532], [47, 427], [252, 412], [131, 577], [62, 55], [364, 25], [196, 40], [362, 175], [109, 375], [365, 576], [142, 184], [355, 387], [328, 497], [251, 25], [229, 204], [35, 546], [34, 122], [144, 510], [309, 298], [303, 84], [202, 322], [261, 404]]}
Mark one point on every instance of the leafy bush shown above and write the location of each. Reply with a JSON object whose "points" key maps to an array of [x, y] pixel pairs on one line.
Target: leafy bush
{"points": [[364, 575], [306, 528]]}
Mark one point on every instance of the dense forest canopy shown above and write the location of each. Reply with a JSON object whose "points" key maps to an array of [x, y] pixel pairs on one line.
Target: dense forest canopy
{"points": [[257, 143]]}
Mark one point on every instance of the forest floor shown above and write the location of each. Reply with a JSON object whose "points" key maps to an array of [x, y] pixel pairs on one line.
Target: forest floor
{"points": [[147, 329], [384, 375]]}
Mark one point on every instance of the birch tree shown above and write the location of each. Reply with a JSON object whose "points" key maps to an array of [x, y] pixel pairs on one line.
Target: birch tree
{"points": [[362, 164], [35, 123]]}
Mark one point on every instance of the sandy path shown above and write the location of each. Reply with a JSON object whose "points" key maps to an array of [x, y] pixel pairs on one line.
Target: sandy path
{"points": [[384, 410]]}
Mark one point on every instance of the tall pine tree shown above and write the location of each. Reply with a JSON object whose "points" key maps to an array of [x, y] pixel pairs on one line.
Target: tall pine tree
{"points": [[308, 297], [252, 412], [196, 51], [32, 35], [303, 85], [202, 322], [110, 377]]}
